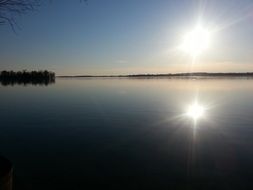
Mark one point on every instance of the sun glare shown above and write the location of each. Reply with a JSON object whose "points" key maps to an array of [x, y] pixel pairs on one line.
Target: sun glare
{"points": [[195, 111], [196, 41]]}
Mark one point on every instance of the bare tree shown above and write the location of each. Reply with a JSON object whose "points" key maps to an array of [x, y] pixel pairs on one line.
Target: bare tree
{"points": [[9, 9]]}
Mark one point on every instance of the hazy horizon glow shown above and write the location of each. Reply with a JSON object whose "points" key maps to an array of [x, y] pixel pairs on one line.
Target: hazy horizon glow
{"points": [[131, 37]]}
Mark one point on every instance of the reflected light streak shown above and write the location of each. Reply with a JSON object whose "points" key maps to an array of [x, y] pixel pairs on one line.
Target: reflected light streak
{"points": [[195, 111]]}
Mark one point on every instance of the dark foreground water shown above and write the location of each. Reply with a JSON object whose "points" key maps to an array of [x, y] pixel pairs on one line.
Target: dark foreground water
{"points": [[129, 134]]}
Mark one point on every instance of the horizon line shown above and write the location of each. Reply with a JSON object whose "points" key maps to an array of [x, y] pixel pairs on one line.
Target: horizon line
{"points": [[168, 74]]}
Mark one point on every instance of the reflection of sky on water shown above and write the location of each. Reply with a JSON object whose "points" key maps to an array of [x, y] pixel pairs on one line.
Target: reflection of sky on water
{"points": [[128, 131]]}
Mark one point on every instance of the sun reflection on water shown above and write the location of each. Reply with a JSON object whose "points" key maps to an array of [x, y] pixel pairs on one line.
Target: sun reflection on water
{"points": [[195, 111]]}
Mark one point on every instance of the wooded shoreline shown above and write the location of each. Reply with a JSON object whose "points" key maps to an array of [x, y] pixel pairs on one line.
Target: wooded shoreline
{"points": [[169, 75]]}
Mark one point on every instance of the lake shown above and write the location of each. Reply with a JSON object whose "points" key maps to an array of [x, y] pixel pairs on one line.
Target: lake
{"points": [[126, 133]]}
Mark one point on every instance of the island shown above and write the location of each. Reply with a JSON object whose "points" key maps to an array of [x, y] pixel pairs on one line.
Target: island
{"points": [[27, 77]]}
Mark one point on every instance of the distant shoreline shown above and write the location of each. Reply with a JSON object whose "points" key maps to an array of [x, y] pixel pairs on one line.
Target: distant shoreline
{"points": [[169, 75]]}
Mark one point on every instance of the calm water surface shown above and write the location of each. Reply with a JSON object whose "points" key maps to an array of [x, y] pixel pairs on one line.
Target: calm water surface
{"points": [[129, 134]]}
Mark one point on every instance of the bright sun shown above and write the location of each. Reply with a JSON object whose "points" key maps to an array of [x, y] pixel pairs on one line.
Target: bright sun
{"points": [[195, 111], [196, 41]]}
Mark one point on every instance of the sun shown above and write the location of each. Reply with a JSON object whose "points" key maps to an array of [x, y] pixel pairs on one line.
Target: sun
{"points": [[195, 111], [196, 41]]}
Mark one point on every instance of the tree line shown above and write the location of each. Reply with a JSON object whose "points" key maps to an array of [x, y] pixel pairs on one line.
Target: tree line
{"points": [[25, 77]]}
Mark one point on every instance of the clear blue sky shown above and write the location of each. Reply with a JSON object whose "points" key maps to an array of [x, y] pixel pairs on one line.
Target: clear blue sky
{"points": [[129, 36]]}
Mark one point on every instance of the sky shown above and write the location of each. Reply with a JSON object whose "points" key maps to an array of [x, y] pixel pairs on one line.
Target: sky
{"points": [[108, 37]]}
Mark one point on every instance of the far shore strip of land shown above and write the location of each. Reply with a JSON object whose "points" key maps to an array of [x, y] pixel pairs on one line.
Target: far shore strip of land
{"points": [[169, 75]]}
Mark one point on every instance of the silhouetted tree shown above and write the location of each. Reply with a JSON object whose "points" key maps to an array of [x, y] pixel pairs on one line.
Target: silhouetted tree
{"points": [[25, 77]]}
